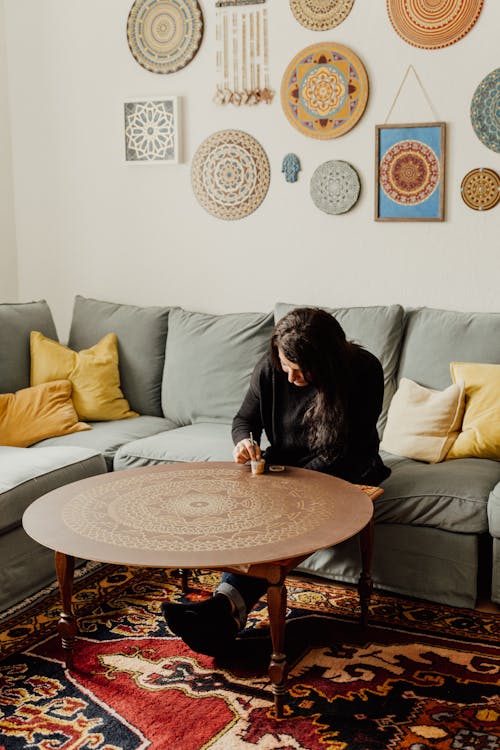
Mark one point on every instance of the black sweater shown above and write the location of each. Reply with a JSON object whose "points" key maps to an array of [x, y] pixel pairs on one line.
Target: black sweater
{"points": [[276, 406]]}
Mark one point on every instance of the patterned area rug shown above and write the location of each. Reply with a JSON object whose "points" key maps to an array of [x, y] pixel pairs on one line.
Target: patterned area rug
{"points": [[420, 677]]}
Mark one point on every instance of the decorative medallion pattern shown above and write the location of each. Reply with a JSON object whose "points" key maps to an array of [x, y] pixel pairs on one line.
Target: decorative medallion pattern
{"points": [[480, 189], [320, 15], [409, 172], [335, 187], [485, 110], [230, 174], [164, 35], [150, 131], [324, 90], [432, 24], [205, 510]]}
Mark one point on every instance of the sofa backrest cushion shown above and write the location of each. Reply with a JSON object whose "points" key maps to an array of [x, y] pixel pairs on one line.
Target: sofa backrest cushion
{"points": [[141, 333], [378, 328], [434, 338], [17, 320], [208, 363]]}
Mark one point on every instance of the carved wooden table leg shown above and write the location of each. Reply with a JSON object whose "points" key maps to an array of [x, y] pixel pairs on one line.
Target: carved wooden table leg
{"points": [[276, 604], [365, 583], [67, 628]]}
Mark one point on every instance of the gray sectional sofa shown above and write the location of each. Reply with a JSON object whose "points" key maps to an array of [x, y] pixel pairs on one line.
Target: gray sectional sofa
{"points": [[185, 373]]}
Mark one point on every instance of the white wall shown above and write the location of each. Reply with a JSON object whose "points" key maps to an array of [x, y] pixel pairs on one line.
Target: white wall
{"points": [[88, 223], [8, 259]]}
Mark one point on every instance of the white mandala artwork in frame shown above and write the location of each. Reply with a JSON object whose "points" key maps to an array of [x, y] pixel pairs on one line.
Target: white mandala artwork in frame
{"points": [[152, 131]]}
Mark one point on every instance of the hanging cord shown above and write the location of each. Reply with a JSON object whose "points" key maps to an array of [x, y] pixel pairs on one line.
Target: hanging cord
{"points": [[411, 68]]}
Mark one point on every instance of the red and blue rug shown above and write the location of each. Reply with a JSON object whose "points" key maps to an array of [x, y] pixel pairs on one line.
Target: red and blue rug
{"points": [[420, 677]]}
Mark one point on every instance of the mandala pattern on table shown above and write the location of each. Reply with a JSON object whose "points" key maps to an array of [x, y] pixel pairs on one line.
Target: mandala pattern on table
{"points": [[409, 172], [230, 174], [150, 131], [320, 15], [432, 24], [485, 110], [324, 90], [480, 189], [164, 35], [335, 187]]}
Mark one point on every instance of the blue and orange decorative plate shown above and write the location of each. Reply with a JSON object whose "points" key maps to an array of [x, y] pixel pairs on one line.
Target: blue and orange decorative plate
{"points": [[485, 110], [324, 90], [164, 35]]}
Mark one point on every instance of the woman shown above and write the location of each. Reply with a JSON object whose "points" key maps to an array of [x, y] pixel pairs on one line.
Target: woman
{"points": [[317, 397]]}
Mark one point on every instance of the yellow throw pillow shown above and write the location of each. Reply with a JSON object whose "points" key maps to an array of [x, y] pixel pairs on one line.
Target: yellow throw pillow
{"points": [[422, 423], [480, 436], [93, 372], [33, 414]]}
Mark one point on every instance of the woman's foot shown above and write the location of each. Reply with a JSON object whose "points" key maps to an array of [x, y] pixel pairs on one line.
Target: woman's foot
{"points": [[207, 627]]}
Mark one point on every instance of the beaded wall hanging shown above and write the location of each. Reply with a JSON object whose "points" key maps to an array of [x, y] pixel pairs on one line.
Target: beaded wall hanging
{"points": [[242, 54], [480, 189], [324, 90], [164, 35], [230, 174]]}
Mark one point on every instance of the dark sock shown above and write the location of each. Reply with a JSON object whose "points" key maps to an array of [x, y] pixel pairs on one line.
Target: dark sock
{"points": [[207, 627]]}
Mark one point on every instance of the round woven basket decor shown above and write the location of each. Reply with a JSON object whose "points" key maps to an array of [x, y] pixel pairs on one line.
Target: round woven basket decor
{"points": [[480, 189], [320, 15], [324, 90], [432, 24], [485, 110], [335, 187], [230, 174], [164, 35]]}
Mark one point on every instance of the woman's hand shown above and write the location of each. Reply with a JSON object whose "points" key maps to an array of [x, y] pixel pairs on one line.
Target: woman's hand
{"points": [[244, 451]]}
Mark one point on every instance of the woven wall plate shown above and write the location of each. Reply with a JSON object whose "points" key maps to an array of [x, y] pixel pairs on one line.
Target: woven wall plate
{"points": [[164, 35], [320, 15], [480, 189], [485, 110], [335, 187], [432, 24], [230, 174], [324, 90]]}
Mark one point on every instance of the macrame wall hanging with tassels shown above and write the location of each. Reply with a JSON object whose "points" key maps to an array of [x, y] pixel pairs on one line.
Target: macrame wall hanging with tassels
{"points": [[242, 53]]}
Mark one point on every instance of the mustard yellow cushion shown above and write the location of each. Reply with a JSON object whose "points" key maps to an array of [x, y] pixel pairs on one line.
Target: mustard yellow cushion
{"points": [[33, 414], [423, 423], [93, 373], [480, 435]]}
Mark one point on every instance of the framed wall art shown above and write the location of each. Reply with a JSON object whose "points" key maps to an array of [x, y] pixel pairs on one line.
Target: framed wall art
{"points": [[410, 172], [152, 133]]}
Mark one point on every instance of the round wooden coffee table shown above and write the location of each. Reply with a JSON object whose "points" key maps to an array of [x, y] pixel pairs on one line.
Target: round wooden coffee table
{"points": [[202, 515]]}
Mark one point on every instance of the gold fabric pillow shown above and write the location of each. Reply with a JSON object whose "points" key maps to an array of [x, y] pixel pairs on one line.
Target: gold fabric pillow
{"points": [[33, 414], [480, 436], [423, 423], [93, 372]]}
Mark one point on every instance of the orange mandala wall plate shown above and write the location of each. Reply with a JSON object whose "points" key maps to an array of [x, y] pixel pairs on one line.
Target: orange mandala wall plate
{"points": [[324, 90], [432, 24]]}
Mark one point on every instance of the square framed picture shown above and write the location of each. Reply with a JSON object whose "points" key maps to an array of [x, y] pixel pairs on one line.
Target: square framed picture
{"points": [[152, 132], [410, 172]]}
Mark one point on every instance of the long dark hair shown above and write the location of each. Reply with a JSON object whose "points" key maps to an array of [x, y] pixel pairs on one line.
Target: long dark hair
{"points": [[314, 340]]}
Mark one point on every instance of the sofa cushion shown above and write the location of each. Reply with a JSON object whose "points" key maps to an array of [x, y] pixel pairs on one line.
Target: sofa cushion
{"points": [[107, 437], [435, 338], [451, 495], [28, 473], [141, 333], [208, 363], [379, 329], [32, 414], [480, 435], [16, 323], [93, 374], [198, 442], [422, 423]]}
